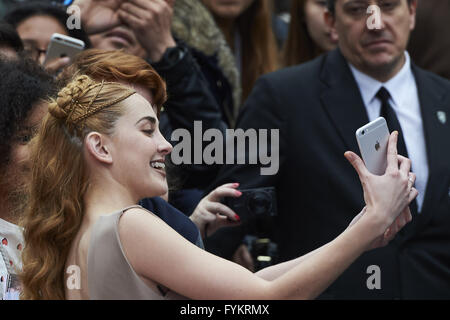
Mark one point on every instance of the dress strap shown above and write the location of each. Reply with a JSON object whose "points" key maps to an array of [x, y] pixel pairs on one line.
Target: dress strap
{"points": [[131, 207]]}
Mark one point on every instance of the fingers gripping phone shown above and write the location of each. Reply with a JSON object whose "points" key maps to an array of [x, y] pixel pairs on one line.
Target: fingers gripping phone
{"points": [[63, 46], [373, 141]]}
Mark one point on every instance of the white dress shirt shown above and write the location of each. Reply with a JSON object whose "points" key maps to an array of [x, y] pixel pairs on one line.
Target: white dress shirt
{"points": [[405, 102]]}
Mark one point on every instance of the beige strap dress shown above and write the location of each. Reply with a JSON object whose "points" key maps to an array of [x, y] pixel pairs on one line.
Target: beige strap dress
{"points": [[110, 275]]}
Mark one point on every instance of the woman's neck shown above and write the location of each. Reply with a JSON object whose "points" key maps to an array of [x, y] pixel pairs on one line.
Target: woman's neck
{"points": [[105, 198]]}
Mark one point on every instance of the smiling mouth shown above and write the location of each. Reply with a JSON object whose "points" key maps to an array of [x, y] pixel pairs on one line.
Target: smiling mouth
{"points": [[159, 166]]}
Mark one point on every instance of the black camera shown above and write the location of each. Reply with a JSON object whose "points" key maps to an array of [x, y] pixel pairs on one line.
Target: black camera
{"points": [[258, 203]]}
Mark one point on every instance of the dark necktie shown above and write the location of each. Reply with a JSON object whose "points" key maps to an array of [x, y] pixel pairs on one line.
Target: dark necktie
{"points": [[389, 114], [392, 122]]}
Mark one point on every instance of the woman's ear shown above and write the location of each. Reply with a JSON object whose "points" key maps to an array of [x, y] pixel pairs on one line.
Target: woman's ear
{"points": [[97, 147]]}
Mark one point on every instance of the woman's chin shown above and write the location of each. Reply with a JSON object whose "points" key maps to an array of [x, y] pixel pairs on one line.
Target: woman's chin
{"points": [[157, 190]]}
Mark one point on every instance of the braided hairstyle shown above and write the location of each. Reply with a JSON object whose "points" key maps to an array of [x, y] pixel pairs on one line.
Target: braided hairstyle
{"points": [[59, 180]]}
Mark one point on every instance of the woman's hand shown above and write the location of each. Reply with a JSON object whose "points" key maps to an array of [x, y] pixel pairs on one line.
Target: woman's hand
{"points": [[389, 195], [211, 215]]}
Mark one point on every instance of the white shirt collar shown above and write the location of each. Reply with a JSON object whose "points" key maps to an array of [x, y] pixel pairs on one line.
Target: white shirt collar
{"points": [[396, 86]]}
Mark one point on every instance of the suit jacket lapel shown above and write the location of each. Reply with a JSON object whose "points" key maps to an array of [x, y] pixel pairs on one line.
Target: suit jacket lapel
{"points": [[434, 99], [342, 99]]}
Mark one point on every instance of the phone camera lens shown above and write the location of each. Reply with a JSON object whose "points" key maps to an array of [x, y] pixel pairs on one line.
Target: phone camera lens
{"points": [[363, 132]]}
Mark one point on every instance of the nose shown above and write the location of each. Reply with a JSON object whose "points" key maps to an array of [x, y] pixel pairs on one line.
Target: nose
{"points": [[164, 146]]}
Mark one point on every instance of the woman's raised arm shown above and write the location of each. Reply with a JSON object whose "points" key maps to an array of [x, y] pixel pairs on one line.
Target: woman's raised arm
{"points": [[157, 252]]}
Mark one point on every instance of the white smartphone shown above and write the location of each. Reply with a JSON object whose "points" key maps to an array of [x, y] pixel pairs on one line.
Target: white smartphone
{"points": [[373, 141], [63, 46]]}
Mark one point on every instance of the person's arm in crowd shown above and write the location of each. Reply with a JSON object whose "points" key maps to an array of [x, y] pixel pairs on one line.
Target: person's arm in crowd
{"points": [[205, 276], [190, 98]]}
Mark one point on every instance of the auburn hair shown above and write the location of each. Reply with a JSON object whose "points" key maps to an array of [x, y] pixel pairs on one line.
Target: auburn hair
{"points": [[299, 46], [59, 180], [259, 47], [117, 66]]}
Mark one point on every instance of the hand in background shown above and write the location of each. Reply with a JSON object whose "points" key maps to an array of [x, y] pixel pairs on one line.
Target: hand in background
{"points": [[151, 22], [55, 65], [99, 15], [211, 215]]}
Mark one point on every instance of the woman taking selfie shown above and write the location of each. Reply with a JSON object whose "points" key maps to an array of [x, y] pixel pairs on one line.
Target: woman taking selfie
{"points": [[98, 152]]}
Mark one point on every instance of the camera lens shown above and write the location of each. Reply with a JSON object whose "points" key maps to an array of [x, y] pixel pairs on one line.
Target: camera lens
{"points": [[259, 203], [363, 132]]}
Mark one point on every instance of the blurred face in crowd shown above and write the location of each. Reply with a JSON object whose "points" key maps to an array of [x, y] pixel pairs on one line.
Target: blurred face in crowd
{"points": [[227, 9], [36, 33], [106, 31], [19, 164], [377, 52], [319, 31]]}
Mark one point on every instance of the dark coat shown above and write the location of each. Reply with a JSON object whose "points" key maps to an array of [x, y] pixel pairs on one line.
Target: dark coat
{"points": [[317, 107], [190, 98], [429, 45]]}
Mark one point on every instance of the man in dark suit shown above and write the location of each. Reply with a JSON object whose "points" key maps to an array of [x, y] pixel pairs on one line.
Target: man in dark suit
{"points": [[317, 108]]}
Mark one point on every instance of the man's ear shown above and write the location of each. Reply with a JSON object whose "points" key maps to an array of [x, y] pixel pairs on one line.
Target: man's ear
{"points": [[412, 12], [96, 145], [331, 23]]}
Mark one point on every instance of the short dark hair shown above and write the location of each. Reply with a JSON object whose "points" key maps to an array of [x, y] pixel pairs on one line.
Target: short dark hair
{"points": [[24, 11], [9, 37], [331, 5]]}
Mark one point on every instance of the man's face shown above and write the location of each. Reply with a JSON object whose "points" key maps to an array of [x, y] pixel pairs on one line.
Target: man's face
{"points": [[374, 50], [106, 31]]}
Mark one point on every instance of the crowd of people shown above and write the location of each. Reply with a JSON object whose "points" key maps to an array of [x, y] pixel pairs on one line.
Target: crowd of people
{"points": [[88, 182]]}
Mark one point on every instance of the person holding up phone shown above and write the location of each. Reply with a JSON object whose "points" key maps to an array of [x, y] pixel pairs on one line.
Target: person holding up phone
{"points": [[36, 23]]}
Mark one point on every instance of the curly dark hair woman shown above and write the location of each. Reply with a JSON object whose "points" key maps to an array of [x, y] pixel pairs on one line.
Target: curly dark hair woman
{"points": [[24, 86]]}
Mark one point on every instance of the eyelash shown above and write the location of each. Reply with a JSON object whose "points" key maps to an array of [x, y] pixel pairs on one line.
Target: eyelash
{"points": [[24, 139], [149, 132]]}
